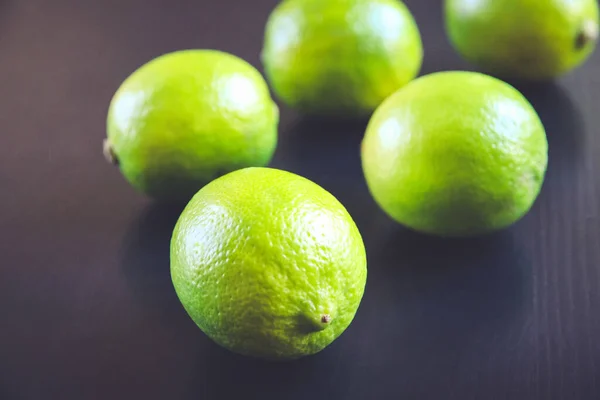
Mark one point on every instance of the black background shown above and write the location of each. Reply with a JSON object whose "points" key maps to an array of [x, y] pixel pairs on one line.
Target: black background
{"points": [[87, 309]]}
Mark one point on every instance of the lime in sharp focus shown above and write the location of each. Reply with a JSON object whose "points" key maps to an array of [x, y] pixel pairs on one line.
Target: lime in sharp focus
{"points": [[455, 154], [268, 264], [527, 39], [340, 56], [186, 118]]}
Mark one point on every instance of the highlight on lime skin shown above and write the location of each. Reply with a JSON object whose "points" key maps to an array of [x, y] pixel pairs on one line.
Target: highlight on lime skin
{"points": [[268, 264], [186, 118]]}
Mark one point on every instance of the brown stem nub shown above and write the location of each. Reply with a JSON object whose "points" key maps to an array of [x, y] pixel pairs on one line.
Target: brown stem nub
{"points": [[587, 34], [325, 318], [109, 153]]}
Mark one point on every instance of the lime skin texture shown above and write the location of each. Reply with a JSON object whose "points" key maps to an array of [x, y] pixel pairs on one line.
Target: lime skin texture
{"points": [[188, 117], [523, 39], [340, 57], [455, 154], [268, 264]]}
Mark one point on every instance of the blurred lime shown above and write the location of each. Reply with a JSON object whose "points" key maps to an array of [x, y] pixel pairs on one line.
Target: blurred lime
{"points": [[268, 264], [187, 117], [527, 39], [340, 56], [455, 154]]}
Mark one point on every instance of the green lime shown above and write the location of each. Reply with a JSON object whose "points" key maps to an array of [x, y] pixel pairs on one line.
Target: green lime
{"points": [[188, 117], [526, 39], [340, 56], [455, 154], [268, 264]]}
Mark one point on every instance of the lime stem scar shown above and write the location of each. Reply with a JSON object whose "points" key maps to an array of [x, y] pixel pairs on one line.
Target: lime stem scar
{"points": [[326, 318], [587, 34], [109, 153]]}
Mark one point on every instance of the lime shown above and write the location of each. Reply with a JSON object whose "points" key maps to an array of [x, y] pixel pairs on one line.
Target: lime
{"points": [[188, 117], [268, 264], [455, 154], [526, 39], [340, 56]]}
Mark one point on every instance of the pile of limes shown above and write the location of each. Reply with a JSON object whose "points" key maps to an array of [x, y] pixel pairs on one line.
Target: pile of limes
{"points": [[268, 263]]}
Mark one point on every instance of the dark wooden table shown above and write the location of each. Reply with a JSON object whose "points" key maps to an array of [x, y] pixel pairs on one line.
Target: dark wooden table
{"points": [[87, 309]]}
